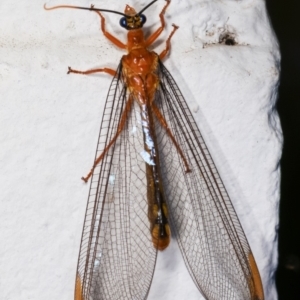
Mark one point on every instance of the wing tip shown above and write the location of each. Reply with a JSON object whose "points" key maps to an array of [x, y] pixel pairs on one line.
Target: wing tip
{"points": [[78, 289], [257, 287]]}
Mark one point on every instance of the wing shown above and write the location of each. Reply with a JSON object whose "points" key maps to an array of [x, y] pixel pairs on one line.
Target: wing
{"points": [[117, 257], [209, 234]]}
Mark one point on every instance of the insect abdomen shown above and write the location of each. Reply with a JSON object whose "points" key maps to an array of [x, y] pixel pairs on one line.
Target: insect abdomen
{"points": [[160, 229]]}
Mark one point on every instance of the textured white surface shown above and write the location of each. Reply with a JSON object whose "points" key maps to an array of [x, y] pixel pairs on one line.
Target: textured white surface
{"points": [[50, 121]]}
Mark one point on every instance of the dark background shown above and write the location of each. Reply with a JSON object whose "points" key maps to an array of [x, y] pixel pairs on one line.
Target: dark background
{"points": [[285, 18]]}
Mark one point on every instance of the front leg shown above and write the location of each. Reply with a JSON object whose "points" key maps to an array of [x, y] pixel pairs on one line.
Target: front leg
{"points": [[109, 36], [104, 70], [168, 43], [151, 39]]}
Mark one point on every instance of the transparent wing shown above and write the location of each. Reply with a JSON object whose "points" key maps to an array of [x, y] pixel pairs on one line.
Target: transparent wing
{"points": [[209, 234], [117, 257]]}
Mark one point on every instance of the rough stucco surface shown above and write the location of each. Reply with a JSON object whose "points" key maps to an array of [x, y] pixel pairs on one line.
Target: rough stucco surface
{"points": [[49, 127]]}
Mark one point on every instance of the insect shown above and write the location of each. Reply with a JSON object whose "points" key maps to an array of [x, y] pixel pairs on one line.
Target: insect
{"points": [[153, 176]]}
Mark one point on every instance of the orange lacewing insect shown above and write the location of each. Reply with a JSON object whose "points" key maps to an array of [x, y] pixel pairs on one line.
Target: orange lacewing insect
{"points": [[153, 175]]}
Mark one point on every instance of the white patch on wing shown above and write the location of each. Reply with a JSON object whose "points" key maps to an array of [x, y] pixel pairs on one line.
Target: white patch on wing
{"points": [[147, 158], [111, 179]]}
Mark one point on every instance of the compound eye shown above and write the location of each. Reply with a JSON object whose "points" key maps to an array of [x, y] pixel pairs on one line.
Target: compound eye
{"points": [[143, 19], [123, 22]]}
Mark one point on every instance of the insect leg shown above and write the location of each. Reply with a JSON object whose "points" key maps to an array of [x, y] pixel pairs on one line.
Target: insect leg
{"points": [[109, 36], [168, 43], [157, 33], [164, 124], [122, 123], [105, 70]]}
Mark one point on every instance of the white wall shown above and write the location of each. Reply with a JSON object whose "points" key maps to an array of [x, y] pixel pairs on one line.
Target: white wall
{"points": [[50, 122]]}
